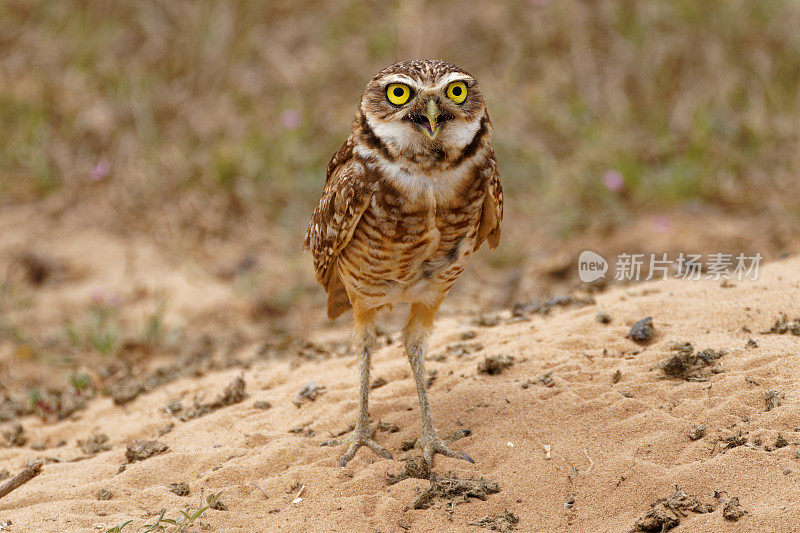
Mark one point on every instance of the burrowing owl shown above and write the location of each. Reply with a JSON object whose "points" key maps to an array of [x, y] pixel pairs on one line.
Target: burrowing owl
{"points": [[410, 196]]}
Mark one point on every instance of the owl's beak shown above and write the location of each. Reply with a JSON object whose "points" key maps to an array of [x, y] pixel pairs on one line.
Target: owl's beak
{"points": [[432, 113], [430, 120]]}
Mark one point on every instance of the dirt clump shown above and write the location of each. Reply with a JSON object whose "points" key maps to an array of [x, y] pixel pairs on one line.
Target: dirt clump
{"points": [[388, 427], [505, 521], [309, 392], [94, 444], [666, 513], [126, 390], [144, 449], [181, 489], [304, 430], [458, 350], [454, 488], [735, 440], [414, 467], [773, 399], [495, 364], [233, 394], [692, 366], [545, 380], [697, 432], [732, 510], [783, 325]]}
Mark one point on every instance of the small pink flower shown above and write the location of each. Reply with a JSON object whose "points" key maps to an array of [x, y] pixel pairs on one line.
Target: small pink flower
{"points": [[662, 224], [100, 171], [97, 297], [100, 298], [290, 119], [613, 181]]}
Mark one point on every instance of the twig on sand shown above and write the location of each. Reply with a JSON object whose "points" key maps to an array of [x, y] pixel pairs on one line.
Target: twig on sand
{"points": [[591, 463], [298, 499], [262, 490], [30, 472]]}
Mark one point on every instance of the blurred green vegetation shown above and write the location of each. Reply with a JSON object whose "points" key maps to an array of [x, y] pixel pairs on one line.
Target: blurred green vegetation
{"points": [[688, 101]]}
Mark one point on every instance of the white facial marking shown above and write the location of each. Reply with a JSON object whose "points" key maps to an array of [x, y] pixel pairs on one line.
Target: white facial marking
{"points": [[401, 78], [447, 79], [459, 134], [394, 132]]}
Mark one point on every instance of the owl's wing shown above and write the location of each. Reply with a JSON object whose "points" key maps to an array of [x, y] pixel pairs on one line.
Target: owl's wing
{"points": [[492, 211], [347, 193]]}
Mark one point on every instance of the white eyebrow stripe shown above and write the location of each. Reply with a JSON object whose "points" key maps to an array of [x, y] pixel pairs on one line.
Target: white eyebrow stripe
{"points": [[450, 78], [402, 78]]}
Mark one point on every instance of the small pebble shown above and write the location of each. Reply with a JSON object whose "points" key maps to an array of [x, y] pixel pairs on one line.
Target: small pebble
{"points": [[643, 330]]}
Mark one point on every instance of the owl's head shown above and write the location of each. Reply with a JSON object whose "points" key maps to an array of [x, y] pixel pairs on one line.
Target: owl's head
{"points": [[423, 107]]}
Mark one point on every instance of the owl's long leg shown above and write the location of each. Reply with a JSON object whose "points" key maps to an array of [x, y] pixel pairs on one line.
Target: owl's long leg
{"points": [[415, 335], [363, 343]]}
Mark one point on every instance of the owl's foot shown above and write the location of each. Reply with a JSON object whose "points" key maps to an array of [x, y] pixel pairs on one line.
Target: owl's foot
{"points": [[432, 444], [358, 437]]}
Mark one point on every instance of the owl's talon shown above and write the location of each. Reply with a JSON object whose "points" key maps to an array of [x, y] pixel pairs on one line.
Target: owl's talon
{"points": [[432, 444], [460, 434], [356, 440]]}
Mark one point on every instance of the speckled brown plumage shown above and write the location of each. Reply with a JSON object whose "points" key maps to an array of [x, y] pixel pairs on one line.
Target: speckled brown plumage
{"points": [[412, 193]]}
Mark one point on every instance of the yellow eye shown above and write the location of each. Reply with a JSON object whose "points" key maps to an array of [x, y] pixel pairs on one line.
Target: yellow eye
{"points": [[398, 94], [457, 91]]}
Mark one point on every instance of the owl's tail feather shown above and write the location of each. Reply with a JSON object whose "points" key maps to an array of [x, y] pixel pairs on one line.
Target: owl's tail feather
{"points": [[338, 301]]}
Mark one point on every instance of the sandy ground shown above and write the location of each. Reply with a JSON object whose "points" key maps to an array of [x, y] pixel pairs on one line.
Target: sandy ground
{"points": [[615, 448]]}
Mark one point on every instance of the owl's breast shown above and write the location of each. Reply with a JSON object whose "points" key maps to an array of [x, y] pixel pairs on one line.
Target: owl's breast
{"points": [[409, 248]]}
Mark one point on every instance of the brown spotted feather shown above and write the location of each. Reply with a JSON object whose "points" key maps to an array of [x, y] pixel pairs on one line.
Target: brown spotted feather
{"points": [[348, 189]]}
